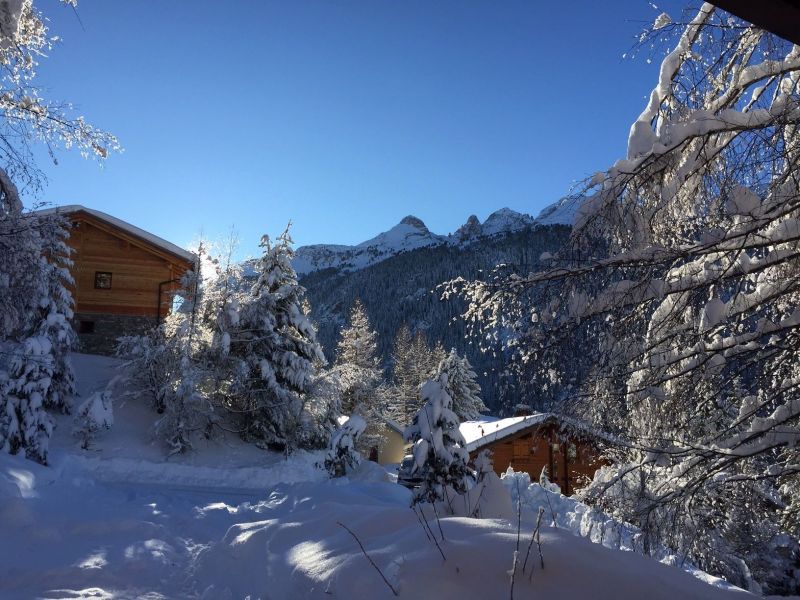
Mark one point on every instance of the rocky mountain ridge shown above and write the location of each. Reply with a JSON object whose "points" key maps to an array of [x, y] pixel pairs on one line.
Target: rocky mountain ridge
{"points": [[411, 233]]}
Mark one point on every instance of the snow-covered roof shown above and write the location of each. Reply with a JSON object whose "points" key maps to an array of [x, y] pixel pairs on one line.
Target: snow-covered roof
{"points": [[125, 226], [395, 426], [490, 429]]}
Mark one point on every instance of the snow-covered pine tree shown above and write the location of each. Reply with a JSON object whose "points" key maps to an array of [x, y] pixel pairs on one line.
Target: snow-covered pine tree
{"points": [[439, 455], [424, 359], [54, 310], [40, 375], [360, 376], [462, 386], [413, 363], [35, 307], [277, 344], [25, 424], [94, 414], [342, 456], [401, 403]]}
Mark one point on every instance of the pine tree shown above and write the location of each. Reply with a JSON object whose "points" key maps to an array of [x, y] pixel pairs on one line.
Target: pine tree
{"points": [[94, 414], [40, 376], [403, 393], [54, 311], [277, 344], [414, 362], [439, 454], [462, 386], [359, 374], [25, 424], [35, 304], [342, 455]]}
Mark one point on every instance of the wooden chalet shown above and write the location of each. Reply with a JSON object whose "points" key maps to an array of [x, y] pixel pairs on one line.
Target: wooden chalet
{"points": [[124, 276], [535, 442]]}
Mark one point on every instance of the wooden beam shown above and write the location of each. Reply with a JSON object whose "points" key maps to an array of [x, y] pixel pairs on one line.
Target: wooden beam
{"points": [[781, 17]]}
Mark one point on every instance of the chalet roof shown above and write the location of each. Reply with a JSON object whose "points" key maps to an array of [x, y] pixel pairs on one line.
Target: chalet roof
{"points": [[146, 236], [394, 425], [478, 434]]}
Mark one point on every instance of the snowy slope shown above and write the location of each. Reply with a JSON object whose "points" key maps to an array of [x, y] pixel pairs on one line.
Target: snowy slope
{"points": [[67, 535], [121, 521], [561, 212]]}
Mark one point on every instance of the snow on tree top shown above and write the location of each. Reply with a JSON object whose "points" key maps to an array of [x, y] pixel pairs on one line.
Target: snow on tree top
{"points": [[123, 225], [490, 429]]}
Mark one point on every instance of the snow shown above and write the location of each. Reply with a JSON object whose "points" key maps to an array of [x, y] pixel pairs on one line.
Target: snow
{"points": [[230, 520], [506, 220], [572, 515], [489, 429], [411, 234], [10, 20], [125, 226], [561, 212]]}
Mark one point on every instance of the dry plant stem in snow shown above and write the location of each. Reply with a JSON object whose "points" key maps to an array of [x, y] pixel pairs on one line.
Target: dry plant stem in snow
{"points": [[372, 562]]}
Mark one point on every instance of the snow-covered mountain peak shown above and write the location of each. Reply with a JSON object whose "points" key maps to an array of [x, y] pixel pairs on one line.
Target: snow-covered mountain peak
{"points": [[412, 233], [561, 212], [409, 234], [469, 230], [414, 222], [506, 220]]}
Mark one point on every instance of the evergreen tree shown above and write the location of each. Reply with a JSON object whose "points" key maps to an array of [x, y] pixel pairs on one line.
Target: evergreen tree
{"points": [[403, 392], [53, 314], [414, 362], [462, 386], [25, 424], [342, 455], [35, 304], [439, 454], [277, 345], [359, 375], [358, 345], [94, 414], [40, 375]]}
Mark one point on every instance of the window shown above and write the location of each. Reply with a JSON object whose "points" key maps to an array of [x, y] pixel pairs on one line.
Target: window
{"points": [[102, 280], [86, 327]]}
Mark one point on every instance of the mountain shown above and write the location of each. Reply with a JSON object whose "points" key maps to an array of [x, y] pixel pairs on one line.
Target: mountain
{"points": [[561, 212], [411, 234], [505, 221], [403, 288]]}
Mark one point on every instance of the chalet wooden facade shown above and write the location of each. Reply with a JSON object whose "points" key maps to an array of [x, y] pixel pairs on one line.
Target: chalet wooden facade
{"points": [[532, 443], [124, 276]]}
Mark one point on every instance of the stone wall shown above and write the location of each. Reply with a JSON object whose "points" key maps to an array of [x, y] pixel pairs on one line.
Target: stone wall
{"points": [[98, 333]]}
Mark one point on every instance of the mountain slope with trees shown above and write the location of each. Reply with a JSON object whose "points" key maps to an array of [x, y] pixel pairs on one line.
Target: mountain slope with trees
{"points": [[403, 289]]}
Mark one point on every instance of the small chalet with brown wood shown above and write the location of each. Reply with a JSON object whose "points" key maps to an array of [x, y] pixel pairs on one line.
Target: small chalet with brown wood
{"points": [[534, 442], [124, 276]]}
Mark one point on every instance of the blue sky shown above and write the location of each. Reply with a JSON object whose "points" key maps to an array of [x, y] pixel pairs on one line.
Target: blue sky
{"points": [[343, 116]]}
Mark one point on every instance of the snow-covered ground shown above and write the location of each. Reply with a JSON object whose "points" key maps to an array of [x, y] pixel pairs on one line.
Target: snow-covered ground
{"points": [[121, 521]]}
